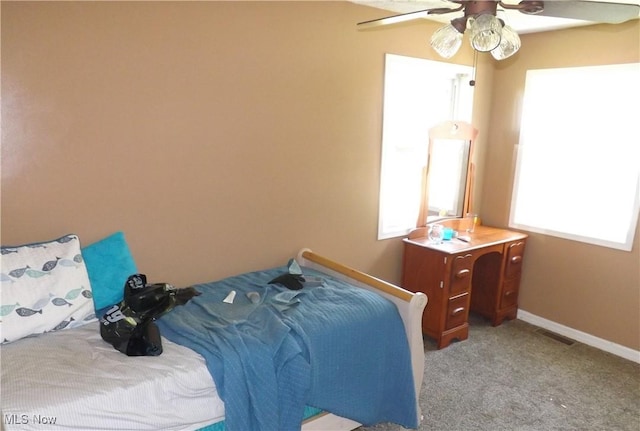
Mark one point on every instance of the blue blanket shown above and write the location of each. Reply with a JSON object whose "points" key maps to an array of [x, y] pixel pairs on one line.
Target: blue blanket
{"points": [[336, 347]]}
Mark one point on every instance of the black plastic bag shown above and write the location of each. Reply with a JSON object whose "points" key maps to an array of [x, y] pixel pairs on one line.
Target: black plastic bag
{"points": [[129, 326]]}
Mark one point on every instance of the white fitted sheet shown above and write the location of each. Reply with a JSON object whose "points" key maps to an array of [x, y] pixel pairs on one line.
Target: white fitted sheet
{"points": [[83, 383]]}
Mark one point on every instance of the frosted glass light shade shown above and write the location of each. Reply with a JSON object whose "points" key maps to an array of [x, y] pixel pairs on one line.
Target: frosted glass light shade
{"points": [[509, 44], [485, 32], [446, 41]]}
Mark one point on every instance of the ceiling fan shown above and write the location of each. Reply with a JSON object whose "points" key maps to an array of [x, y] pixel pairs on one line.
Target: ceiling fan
{"points": [[488, 33]]}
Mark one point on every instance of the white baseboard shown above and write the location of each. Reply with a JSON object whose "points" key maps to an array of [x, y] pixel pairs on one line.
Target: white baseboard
{"points": [[583, 337]]}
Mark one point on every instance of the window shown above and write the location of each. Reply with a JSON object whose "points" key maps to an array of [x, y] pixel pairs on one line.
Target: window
{"points": [[578, 160], [418, 94]]}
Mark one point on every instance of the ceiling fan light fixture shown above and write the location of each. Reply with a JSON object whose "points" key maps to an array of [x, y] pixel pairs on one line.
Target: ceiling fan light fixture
{"points": [[446, 41], [509, 44], [485, 32]]}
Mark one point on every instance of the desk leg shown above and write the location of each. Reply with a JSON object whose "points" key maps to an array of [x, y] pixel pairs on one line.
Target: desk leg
{"points": [[498, 318], [460, 333]]}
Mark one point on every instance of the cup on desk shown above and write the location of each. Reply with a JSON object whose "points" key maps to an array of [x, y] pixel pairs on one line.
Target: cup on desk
{"points": [[471, 221], [436, 233], [448, 233]]}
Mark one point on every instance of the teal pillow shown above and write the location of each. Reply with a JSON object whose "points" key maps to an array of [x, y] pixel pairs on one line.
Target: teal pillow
{"points": [[109, 263]]}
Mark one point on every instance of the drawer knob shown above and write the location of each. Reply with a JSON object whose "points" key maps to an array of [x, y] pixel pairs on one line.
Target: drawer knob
{"points": [[516, 259], [463, 273]]}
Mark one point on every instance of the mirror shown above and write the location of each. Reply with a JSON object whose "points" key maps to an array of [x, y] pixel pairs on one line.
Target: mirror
{"points": [[447, 178]]}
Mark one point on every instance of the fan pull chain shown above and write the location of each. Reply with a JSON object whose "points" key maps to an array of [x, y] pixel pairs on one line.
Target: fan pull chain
{"points": [[472, 83]]}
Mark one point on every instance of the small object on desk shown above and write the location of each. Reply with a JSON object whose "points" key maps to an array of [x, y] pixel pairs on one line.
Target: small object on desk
{"points": [[464, 238], [472, 220], [448, 233], [436, 233]]}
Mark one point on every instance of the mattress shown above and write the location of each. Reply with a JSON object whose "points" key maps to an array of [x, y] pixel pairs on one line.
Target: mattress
{"points": [[44, 385]]}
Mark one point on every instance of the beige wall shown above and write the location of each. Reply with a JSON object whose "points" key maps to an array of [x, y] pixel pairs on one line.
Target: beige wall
{"points": [[589, 288], [223, 136], [219, 136]]}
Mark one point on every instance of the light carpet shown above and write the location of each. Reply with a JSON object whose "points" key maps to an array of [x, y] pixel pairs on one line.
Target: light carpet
{"points": [[513, 377]]}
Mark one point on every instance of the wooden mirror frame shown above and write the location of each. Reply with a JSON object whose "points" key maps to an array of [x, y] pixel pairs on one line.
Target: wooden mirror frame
{"points": [[453, 130]]}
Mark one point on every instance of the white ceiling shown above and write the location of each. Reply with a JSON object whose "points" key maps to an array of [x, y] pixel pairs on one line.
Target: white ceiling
{"points": [[520, 22]]}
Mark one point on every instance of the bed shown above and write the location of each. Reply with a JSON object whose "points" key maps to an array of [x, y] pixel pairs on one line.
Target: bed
{"points": [[70, 379]]}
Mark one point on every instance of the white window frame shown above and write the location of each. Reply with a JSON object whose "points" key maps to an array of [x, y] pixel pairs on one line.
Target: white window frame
{"points": [[418, 94], [578, 160]]}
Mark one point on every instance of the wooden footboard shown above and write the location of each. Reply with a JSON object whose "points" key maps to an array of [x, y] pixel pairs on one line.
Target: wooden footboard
{"points": [[410, 305]]}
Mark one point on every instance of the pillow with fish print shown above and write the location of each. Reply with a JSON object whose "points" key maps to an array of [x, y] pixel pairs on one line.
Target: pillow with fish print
{"points": [[45, 287]]}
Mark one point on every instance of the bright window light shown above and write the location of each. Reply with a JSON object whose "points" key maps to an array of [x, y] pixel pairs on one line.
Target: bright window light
{"points": [[418, 94], [578, 160]]}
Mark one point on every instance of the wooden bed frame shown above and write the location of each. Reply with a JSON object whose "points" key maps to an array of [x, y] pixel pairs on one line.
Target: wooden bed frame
{"points": [[410, 305]]}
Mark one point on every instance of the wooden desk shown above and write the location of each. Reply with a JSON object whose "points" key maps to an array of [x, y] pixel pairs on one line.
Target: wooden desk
{"points": [[482, 275]]}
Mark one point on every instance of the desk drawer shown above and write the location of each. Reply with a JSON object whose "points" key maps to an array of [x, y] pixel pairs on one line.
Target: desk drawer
{"points": [[509, 297], [461, 270], [515, 254], [457, 311]]}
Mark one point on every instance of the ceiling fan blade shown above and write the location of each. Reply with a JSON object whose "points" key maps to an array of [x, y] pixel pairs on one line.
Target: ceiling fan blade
{"points": [[610, 13], [395, 19]]}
